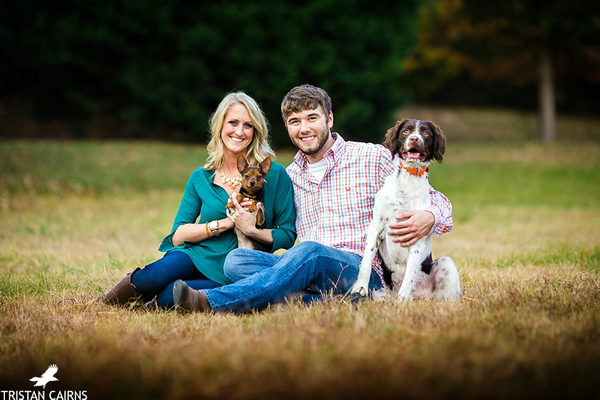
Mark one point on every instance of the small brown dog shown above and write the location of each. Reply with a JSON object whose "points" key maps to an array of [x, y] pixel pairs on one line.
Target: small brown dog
{"points": [[253, 182]]}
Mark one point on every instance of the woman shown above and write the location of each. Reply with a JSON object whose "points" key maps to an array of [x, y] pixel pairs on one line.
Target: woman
{"points": [[195, 252]]}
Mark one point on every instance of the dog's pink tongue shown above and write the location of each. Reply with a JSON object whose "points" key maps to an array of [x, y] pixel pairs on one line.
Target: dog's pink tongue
{"points": [[413, 156]]}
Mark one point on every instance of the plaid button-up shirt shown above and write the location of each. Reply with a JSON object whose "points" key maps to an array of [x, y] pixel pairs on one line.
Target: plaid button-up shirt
{"points": [[337, 210]]}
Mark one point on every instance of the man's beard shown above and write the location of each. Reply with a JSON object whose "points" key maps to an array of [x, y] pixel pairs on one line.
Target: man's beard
{"points": [[321, 141]]}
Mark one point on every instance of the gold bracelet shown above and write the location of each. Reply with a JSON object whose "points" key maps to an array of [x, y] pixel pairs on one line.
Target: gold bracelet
{"points": [[210, 236]]}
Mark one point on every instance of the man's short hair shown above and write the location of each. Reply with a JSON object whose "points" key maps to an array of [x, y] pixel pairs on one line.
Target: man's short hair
{"points": [[305, 97]]}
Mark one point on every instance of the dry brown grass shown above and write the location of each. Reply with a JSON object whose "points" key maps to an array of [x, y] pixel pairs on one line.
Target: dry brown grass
{"points": [[528, 325], [520, 332]]}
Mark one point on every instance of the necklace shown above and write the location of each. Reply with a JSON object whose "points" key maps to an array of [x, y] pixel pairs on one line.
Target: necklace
{"points": [[232, 182]]}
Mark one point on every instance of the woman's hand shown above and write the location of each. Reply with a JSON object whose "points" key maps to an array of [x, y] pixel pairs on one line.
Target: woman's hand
{"points": [[243, 219]]}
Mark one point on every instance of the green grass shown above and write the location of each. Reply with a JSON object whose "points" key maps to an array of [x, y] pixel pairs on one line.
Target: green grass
{"points": [[56, 167], [518, 177], [502, 125], [76, 216]]}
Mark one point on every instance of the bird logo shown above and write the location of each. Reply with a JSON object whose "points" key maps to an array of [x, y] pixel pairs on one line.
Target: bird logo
{"points": [[46, 376]]}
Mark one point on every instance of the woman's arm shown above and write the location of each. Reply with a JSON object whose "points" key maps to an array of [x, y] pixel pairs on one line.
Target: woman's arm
{"points": [[185, 227], [192, 232], [284, 212]]}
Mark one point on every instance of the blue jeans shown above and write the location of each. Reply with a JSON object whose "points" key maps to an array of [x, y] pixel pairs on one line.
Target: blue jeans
{"points": [[262, 278], [157, 279]]}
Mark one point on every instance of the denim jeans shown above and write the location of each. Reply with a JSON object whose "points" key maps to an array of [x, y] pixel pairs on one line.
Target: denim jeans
{"points": [[262, 278], [242, 267], [157, 279]]}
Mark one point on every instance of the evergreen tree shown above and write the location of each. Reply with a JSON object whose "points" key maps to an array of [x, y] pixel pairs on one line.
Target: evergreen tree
{"points": [[168, 63]]}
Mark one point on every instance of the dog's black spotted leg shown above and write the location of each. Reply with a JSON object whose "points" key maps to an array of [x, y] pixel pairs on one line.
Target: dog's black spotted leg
{"points": [[427, 264], [387, 274]]}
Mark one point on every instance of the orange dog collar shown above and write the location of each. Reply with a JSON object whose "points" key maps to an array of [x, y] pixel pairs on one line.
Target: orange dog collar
{"points": [[415, 171]]}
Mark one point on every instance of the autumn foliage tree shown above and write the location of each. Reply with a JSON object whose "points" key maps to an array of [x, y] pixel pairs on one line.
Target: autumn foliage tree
{"points": [[516, 43]]}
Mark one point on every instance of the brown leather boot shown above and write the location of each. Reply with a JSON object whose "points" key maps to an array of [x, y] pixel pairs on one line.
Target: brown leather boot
{"points": [[123, 293], [189, 299]]}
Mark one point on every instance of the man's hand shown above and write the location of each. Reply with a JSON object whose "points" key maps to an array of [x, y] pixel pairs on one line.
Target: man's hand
{"points": [[410, 226]]}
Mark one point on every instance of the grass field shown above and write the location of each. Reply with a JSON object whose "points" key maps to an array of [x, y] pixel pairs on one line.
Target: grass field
{"points": [[76, 216]]}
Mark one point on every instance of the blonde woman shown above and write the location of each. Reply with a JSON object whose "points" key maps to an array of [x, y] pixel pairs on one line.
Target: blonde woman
{"points": [[202, 233]]}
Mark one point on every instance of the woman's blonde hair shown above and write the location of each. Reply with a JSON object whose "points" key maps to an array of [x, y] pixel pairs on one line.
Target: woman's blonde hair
{"points": [[259, 148]]}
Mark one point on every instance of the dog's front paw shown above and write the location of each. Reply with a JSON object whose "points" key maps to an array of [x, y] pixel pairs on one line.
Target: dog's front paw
{"points": [[360, 289], [404, 298]]}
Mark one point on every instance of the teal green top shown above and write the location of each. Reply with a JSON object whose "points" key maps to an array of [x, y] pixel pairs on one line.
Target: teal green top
{"points": [[203, 198]]}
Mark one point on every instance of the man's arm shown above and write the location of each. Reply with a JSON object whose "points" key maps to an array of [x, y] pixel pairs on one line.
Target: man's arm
{"points": [[410, 226]]}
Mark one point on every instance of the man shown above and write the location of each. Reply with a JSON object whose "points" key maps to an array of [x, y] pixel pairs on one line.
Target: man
{"points": [[335, 183]]}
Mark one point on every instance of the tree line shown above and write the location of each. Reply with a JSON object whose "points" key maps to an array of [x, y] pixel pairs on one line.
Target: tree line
{"points": [[167, 63]]}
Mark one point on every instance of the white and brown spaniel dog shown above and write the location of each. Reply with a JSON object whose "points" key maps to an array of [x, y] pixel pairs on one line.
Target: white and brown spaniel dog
{"points": [[408, 270]]}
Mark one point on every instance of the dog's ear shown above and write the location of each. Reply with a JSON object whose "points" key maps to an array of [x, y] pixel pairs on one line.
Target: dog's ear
{"points": [[241, 163], [439, 144], [265, 166], [391, 140]]}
